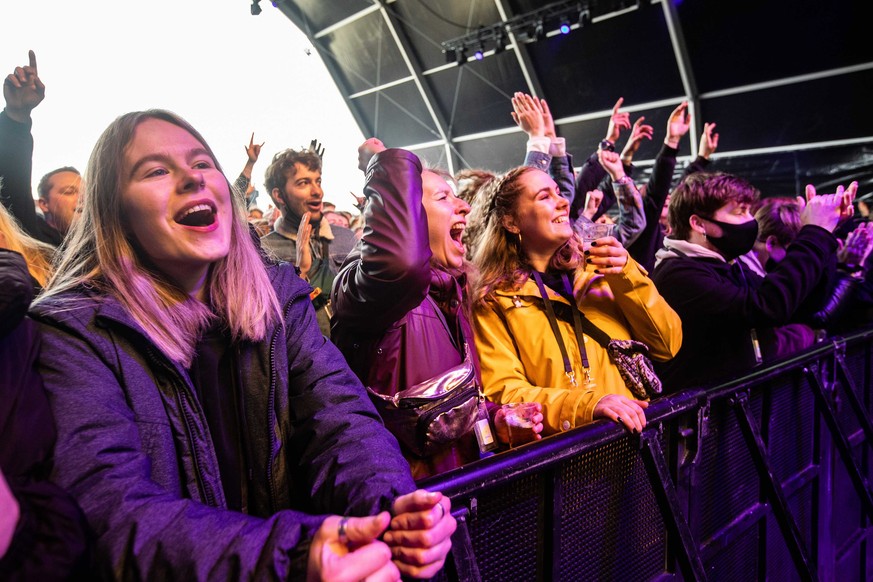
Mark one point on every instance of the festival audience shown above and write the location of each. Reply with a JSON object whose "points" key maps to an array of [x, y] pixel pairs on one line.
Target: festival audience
{"points": [[58, 193], [537, 281], [207, 428], [58, 190], [593, 176], [174, 401], [300, 236], [733, 319], [401, 313], [42, 530], [656, 192]]}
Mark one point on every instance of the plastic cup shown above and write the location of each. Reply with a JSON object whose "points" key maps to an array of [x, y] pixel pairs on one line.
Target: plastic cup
{"points": [[594, 230], [519, 419]]}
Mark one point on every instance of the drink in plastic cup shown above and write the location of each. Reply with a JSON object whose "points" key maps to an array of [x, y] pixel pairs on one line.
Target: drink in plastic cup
{"points": [[594, 230], [519, 419]]}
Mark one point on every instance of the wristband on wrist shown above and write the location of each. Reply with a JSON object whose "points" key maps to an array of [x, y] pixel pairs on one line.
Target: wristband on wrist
{"points": [[624, 180], [607, 146]]}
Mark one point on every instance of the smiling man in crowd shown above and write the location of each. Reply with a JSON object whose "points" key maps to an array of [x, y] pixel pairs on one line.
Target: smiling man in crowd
{"points": [[294, 182]]}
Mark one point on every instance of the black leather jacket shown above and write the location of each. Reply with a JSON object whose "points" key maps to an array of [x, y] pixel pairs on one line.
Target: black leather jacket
{"points": [[382, 322]]}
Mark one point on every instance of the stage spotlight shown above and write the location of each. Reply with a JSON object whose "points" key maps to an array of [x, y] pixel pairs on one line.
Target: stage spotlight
{"points": [[584, 17], [461, 54], [256, 7], [480, 52], [539, 31], [451, 56], [500, 42], [565, 26]]}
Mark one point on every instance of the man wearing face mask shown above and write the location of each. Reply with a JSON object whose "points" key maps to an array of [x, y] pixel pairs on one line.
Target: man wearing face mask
{"points": [[733, 318]]}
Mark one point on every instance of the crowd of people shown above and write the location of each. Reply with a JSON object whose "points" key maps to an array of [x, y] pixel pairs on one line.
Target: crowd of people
{"points": [[223, 392]]}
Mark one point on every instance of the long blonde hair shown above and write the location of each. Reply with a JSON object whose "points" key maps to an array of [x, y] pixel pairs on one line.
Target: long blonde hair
{"points": [[36, 254], [100, 252], [499, 256]]}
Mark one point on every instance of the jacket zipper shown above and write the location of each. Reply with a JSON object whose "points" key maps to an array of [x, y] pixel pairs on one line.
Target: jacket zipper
{"points": [[274, 441], [181, 392]]}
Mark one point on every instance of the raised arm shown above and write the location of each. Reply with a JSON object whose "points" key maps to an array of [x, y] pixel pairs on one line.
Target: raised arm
{"points": [[23, 91], [631, 219], [390, 272]]}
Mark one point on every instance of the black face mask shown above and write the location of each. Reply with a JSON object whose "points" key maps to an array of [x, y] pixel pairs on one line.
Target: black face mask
{"points": [[736, 239]]}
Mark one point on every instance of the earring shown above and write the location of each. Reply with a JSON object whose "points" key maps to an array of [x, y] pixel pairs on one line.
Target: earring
{"points": [[519, 239]]}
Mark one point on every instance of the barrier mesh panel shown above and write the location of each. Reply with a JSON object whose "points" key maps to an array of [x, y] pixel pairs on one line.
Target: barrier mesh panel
{"points": [[729, 483], [737, 561], [611, 525], [507, 530], [791, 426], [780, 565], [846, 504], [849, 566]]}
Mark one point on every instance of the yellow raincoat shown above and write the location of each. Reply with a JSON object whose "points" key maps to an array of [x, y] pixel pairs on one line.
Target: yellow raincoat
{"points": [[520, 357]]}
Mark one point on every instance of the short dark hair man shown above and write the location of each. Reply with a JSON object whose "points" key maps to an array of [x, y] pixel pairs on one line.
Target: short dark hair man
{"points": [[58, 197], [294, 182]]}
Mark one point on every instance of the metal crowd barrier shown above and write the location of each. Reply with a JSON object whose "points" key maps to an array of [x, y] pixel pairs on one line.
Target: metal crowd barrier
{"points": [[762, 478]]}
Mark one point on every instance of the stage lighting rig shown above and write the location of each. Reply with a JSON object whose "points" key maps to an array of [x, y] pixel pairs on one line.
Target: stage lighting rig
{"points": [[530, 27]]}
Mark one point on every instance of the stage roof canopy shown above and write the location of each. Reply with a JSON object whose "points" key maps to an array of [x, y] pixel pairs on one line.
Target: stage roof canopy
{"points": [[781, 78]]}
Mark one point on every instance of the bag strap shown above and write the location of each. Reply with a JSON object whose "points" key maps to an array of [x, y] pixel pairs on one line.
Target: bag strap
{"points": [[462, 349], [579, 319], [577, 328]]}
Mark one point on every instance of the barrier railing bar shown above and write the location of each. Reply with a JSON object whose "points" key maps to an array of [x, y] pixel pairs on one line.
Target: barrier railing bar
{"points": [[840, 441], [772, 487], [671, 511], [462, 556], [729, 534], [852, 396], [800, 479], [551, 452]]}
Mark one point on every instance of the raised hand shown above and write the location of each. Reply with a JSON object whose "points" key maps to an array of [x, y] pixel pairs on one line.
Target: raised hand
{"points": [[828, 210], [708, 141], [678, 124], [639, 132], [859, 244], [346, 549], [527, 112], [316, 148], [304, 252], [420, 534], [611, 162], [548, 120], [367, 150], [617, 121], [593, 198], [23, 91], [253, 150]]}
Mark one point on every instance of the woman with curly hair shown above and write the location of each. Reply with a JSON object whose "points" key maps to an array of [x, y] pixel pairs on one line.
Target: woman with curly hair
{"points": [[545, 302]]}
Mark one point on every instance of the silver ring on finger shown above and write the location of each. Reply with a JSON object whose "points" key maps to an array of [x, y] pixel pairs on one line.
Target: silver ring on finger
{"points": [[442, 512], [342, 535]]}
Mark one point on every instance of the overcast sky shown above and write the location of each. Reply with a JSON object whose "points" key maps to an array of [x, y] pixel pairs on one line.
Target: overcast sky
{"points": [[227, 72]]}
